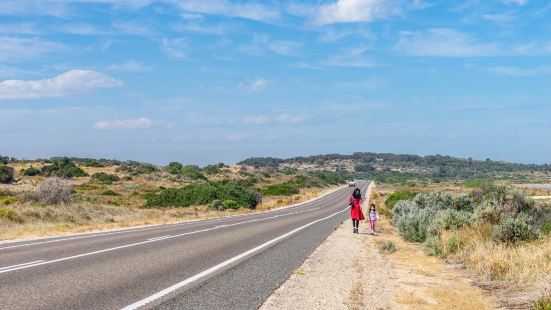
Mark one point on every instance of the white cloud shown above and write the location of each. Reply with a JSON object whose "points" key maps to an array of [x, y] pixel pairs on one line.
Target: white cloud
{"points": [[247, 10], [142, 122], [256, 85], [176, 48], [129, 66], [352, 11], [20, 28], [443, 42], [25, 48], [517, 2], [81, 29], [264, 43], [69, 83], [134, 28], [351, 57], [516, 71]]}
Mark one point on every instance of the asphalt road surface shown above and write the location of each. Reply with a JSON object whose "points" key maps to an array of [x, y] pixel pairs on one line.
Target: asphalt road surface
{"points": [[227, 263]]}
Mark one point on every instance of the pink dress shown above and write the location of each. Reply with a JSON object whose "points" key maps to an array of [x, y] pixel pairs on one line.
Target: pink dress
{"points": [[356, 209]]}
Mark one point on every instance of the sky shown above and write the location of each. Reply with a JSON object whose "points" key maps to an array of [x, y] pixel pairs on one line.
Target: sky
{"points": [[207, 81]]}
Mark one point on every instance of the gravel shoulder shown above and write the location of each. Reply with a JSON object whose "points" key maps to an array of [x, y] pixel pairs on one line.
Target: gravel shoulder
{"points": [[348, 271]]}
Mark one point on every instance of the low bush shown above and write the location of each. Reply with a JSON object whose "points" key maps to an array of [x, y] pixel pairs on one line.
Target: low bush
{"points": [[217, 204], [513, 230], [413, 226], [174, 168], [393, 198], [212, 169], [193, 172], [282, 189], [53, 190], [30, 172], [231, 204], [110, 193], [62, 167], [105, 178], [6, 174], [204, 194], [386, 247], [546, 227], [544, 302], [136, 168], [92, 163], [7, 200], [11, 215]]}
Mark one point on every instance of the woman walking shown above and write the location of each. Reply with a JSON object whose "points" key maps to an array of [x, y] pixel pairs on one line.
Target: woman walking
{"points": [[355, 203]]}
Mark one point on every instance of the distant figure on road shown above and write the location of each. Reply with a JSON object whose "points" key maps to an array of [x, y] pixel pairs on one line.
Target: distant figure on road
{"points": [[373, 217], [355, 203]]}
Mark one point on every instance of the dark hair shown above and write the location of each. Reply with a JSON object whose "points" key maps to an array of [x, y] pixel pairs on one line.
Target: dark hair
{"points": [[372, 205], [357, 194]]}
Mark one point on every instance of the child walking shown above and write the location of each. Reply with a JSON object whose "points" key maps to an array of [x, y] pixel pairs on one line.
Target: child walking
{"points": [[373, 217]]}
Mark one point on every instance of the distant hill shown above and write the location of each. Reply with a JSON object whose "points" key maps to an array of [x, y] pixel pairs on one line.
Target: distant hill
{"points": [[432, 166]]}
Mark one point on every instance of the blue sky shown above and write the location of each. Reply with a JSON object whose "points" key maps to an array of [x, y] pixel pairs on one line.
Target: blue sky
{"points": [[221, 80]]}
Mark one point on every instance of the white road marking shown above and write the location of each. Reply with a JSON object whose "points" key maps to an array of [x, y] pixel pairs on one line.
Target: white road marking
{"points": [[205, 273], [149, 241], [159, 238], [24, 264], [168, 225]]}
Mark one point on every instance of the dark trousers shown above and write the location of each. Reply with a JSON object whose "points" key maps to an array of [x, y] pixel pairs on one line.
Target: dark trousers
{"points": [[356, 224]]}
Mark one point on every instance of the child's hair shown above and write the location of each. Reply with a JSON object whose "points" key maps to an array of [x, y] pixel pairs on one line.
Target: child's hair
{"points": [[372, 206]]}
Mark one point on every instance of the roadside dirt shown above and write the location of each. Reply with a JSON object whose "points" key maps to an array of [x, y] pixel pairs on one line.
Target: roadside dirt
{"points": [[347, 271]]}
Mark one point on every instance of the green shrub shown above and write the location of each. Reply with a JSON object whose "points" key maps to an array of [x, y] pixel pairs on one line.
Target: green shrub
{"points": [[447, 220], [30, 172], [413, 226], [393, 198], [11, 215], [454, 244], [212, 169], [217, 204], [513, 230], [7, 200], [136, 168], [105, 178], [546, 227], [544, 302], [193, 172], [476, 183], [174, 168], [282, 189], [386, 247], [231, 204], [6, 174], [433, 246], [204, 194], [110, 193], [62, 167], [92, 163]]}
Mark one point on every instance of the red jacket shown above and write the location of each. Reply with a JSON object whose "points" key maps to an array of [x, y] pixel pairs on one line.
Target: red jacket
{"points": [[356, 208]]}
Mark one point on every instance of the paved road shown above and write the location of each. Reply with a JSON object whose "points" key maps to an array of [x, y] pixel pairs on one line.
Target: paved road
{"points": [[228, 263]]}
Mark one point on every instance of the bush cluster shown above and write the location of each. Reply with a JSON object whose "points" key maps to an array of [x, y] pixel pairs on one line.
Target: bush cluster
{"points": [[6, 174], [10, 215], [513, 216], [30, 172], [205, 194], [136, 168], [62, 167], [192, 172], [105, 178], [282, 189]]}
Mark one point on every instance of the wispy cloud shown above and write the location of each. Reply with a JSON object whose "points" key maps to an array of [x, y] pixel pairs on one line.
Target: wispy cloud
{"points": [[67, 84], [175, 48], [81, 29], [129, 66], [516, 71], [261, 44], [133, 28], [444, 42], [351, 57], [12, 48], [247, 10], [256, 85], [142, 122], [352, 11]]}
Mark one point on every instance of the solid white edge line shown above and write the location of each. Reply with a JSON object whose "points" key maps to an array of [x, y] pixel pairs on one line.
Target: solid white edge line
{"points": [[131, 230], [206, 272], [24, 264]]}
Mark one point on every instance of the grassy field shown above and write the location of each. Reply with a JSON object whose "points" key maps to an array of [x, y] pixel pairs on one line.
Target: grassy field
{"points": [[509, 259], [107, 196]]}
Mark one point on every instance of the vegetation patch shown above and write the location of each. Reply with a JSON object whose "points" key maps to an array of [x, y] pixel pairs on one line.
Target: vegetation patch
{"points": [[6, 174], [386, 246], [62, 167], [30, 172], [282, 189], [393, 198], [110, 193], [11, 215], [105, 178], [204, 194]]}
